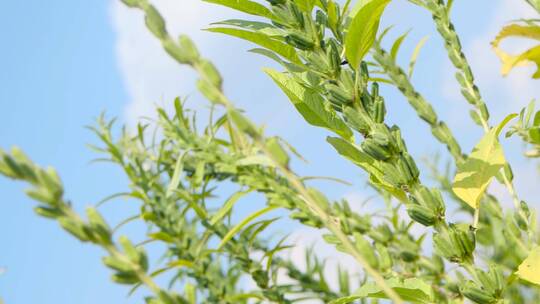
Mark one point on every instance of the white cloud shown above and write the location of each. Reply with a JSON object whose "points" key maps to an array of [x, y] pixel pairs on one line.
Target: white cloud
{"points": [[150, 76]]}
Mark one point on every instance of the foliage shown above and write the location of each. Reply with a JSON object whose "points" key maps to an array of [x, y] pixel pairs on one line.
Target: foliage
{"points": [[323, 48]]}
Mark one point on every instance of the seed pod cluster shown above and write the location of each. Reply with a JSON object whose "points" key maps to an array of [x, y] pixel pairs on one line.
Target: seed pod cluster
{"points": [[455, 243], [427, 206], [487, 288]]}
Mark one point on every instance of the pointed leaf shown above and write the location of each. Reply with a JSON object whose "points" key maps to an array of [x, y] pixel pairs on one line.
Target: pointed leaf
{"points": [[310, 105], [246, 6], [242, 224], [261, 39], [363, 30]]}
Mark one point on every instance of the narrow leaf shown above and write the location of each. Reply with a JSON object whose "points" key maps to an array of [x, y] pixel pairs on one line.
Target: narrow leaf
{"points": [[227, 206], [415, 54], [261, 39], [175, 180], [243, 223], [246, 6], [397, 44]]}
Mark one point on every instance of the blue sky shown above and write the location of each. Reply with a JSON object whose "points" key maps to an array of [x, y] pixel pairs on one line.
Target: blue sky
{"points": [[63, 62]]}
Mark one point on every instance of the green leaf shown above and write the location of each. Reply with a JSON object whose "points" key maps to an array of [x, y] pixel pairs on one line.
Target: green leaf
{"points": [[261, 39], [227, 206], [366, 162], [175, 180], [415, 54], [412, 290], [310, 105], [397, 44], [256, 26], [305, 5], [242, 224], [485, 161], [529, 269], [363, 30], [246, 6]]}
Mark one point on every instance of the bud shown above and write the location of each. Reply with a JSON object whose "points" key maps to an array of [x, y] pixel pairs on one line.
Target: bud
{"points": [[208, 71], [155, 22], [421, 214], [76, 228]]}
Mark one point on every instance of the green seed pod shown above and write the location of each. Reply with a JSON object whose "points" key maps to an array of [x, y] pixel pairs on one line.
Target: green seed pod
{"points": [[128, 278], [98, 225], [392, 175], [132, 3], [49, 212], [381, 135], [209, 91], [358, 120], [131, 252], [445, 247], [397, 139], [468, 96], [188, 48], [473, 293], [321, 19], [373, 149], [176, 52], [333, 56], [421, 214], [41, 195], [209, 72], [337, 95], [300, 41], [155, 22], [379, 110], [296, 13], [76, 228], [117, 264], [484, 111]]}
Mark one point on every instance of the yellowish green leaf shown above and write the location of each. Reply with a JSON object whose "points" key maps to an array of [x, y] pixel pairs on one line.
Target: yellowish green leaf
{"points": [[532, 55], [529, 269], [485, 161]]}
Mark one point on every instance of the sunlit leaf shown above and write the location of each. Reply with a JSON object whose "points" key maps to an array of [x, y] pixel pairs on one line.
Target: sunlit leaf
{"points": [[529, 269], [485, 161], [363, 30], [310, 105]]}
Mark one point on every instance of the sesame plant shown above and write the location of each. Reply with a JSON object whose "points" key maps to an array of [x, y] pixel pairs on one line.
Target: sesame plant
{"points": [[333, 59]]}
